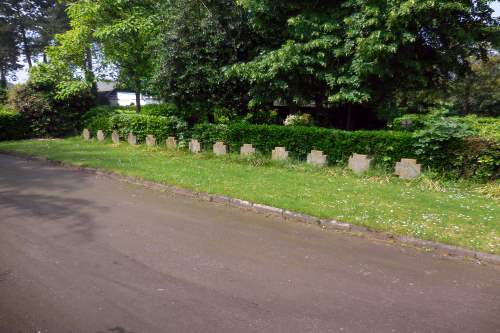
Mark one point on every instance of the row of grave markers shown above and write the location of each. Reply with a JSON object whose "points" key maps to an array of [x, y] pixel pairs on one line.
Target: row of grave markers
{"points": [[358, 163]]}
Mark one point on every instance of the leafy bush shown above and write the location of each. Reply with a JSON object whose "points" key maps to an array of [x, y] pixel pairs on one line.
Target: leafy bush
{"points": [[386, 146], [439, 137], [164, 110], [485, 127], [304, 119], [48, 115], [139, 124], [12, 126]]}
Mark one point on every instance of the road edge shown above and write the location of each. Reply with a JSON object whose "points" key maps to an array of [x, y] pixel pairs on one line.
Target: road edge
{"points": [[286, 215]]}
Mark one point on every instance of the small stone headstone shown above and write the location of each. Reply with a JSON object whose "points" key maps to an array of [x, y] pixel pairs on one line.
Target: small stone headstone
{"points": [[150, 141], [316, 157], [220, 148], [194, 146], [86, 134], [115, 137], [100, 135], [171, 143], [132, 139], [279, 153], [247, 149], [408, 168], [359, 163]]}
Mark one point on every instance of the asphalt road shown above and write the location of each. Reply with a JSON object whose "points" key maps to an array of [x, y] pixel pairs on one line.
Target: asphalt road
{"points": [[84, 253]]}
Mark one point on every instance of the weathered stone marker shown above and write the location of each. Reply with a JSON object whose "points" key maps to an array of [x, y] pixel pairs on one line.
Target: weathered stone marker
{"points": [[115, 137], [150, 141], [86, 134], [171, 143], [408, 168], [316, 157], [132, 139], [279, 154], [100, 135], [247, 149], [220, 148], [194, 146], [359, 163]]}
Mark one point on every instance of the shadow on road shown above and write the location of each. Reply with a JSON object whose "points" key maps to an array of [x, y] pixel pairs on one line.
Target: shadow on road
{"points": [[43, 193]]}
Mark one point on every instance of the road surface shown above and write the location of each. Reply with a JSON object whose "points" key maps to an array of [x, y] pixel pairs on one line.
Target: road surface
{"points": [[85, 253]]}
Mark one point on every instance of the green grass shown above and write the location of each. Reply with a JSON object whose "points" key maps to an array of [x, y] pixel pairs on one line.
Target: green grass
{"points": [[453, 213]]}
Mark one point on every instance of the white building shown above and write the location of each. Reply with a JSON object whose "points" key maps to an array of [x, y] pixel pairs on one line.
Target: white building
{"points": [[115, 97]]}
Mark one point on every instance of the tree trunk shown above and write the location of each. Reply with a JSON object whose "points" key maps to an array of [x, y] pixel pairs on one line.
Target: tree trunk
{"points": [[467, 89], [3, 80], [44, 57], [27, 50], [138, 102]]}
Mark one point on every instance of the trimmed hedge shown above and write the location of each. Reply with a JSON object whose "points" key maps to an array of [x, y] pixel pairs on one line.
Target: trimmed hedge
{"points": [[470, 157], [139, 124], [385, 146], [12, 126]]}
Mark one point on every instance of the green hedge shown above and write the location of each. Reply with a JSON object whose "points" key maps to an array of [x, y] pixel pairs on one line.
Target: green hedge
{"points": [[139, 124], [12, 126], [475, 157], [385, 146]]}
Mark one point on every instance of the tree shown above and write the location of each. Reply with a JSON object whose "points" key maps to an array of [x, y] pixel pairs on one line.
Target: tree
{"points": [[357, 52], [197, 40], [9, 52], [478, 92]]}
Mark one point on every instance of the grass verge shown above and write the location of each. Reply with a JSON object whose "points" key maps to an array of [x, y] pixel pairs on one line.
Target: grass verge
{"points": [[456, 213]]}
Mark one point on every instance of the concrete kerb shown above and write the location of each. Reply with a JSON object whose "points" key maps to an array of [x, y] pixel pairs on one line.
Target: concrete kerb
{"points": [[449, 250]]}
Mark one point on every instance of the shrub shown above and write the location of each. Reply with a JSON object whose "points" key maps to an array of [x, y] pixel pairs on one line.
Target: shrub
{"points": [[12, 126], [304, 119], [163, 109], [386, 146], [139, 124], [47, 115], [444, 146]]}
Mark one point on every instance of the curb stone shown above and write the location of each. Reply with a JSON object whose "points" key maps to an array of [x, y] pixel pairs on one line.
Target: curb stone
{"points": [[450, 250]]}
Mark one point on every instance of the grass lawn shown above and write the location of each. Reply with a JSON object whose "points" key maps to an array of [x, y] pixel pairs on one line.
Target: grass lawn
{"points": [[450, 212]]}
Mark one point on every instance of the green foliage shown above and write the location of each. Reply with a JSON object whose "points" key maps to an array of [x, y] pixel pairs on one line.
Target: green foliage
{"points": [[361, 52], [163, 109], [3, 96], [304, 119], [197, 40], [386, 146], [12, 126], [478, 92], [48, 115], [444, 145], [139, 124], [485, 127], [439, 137]]}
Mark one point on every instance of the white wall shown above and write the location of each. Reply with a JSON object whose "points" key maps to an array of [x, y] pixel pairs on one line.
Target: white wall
{"points": [[128, 98]]}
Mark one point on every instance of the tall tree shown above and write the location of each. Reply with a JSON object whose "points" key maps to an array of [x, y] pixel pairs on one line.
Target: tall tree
{"points": [[197, 40], [9, 53], [360, 52]]}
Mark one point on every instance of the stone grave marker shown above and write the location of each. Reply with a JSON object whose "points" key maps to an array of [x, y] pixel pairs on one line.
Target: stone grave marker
{"points": [[132, 139], [150, 141], [171, 143], [194, 146], [220, 148], [359, 163], [115, 137], [100, 135], [279, 153], [247, 149], [316, 157], [408, 168], [86, 134]]}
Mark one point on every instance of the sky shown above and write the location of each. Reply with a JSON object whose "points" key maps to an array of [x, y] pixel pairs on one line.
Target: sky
{"points": [[22, 74]]}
